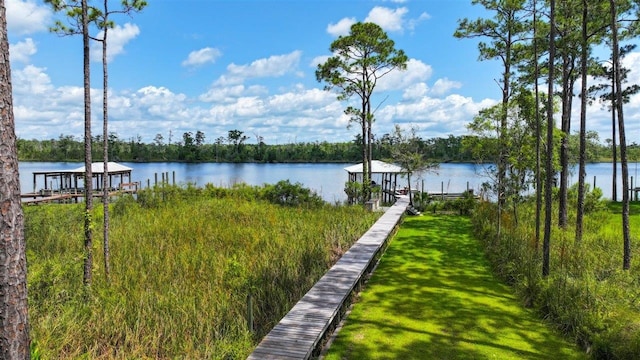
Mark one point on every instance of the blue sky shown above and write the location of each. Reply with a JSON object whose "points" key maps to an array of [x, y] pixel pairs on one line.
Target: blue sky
{"points": [[214, 66]]}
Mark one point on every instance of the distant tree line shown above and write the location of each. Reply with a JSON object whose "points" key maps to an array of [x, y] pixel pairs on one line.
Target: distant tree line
{"points": [[192, 147]]}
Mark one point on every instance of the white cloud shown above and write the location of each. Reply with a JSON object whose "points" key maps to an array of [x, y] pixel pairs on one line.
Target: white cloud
{"points": [[342, 27], [30, 81], [27, 17], [273, 66], [415, 91], [413, 23], [435, 116], [227, 94], [22, 51], [319, 60], [203, 56], [388, 19], [416, 72], [117, 38], [443, 86]]}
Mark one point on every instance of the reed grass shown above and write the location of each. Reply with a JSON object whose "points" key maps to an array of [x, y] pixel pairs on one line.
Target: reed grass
{"points": [[182, 270]]}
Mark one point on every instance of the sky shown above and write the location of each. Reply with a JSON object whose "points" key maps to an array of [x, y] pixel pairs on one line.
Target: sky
{"points": [[218, 65]]}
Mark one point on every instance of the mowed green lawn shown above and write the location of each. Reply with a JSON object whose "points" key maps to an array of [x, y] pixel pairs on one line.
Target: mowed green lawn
{"points": [[433, 296]]}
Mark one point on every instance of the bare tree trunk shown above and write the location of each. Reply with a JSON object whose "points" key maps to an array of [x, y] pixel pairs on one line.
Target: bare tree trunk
{"points": [[614, 144], [567, 98], [626, 259], [88, 175], [105, 147], [549, 161], [583, 123], [14, 322], [538, 130]]}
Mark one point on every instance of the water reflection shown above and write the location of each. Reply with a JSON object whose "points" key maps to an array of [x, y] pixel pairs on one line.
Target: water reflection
{"points": [[326, 179]]}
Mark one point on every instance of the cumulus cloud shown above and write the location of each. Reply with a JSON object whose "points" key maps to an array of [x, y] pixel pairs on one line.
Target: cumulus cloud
{"points": [[117, 38], [415, 91], [27, 17], [342, 27], [318, 60], [31, 80], [435, 116], [201, 57], [416, 71], [226, 94], [443, 86], [22, 51], [273, 66], [389, 19]]}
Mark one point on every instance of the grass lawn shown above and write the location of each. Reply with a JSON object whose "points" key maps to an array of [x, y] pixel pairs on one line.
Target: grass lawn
{"points": [[433, 296]]}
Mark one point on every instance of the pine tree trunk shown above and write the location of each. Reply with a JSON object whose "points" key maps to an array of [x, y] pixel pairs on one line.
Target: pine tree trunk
{"points": [[549, 161], [14, 324], [626, 258], [105, 149], [583, 123], [88, 174]]}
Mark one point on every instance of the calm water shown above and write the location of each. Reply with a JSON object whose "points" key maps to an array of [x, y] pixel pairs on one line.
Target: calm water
{"points": [[326, 179]]}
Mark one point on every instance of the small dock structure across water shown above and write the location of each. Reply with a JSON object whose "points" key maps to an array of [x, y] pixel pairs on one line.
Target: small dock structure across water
{"points": [[68, 185], [302, 333]]}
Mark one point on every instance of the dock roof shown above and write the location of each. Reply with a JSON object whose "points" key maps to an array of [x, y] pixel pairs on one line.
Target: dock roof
{"points": [[98, 168], [377, 167]]}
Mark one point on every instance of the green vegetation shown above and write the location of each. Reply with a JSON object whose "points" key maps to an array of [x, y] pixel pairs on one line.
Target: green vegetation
{"points": [[588, 296], [433, 296], [229, 149], [70, 148], [183, 263]]}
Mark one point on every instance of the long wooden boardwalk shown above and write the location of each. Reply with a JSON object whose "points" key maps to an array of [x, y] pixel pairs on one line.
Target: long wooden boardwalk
{"points": [[303, 331]]}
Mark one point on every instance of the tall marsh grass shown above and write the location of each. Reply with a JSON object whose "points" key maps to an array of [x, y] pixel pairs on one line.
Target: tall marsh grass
{"points": [[183, 263], [587, 296]]}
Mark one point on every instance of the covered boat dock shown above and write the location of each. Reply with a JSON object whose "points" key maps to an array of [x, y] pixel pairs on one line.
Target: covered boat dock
{"points": [[62, 184], [383, 175]]}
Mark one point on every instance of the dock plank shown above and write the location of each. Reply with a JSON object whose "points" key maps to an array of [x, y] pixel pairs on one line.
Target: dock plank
{"points": [[301, 331]]}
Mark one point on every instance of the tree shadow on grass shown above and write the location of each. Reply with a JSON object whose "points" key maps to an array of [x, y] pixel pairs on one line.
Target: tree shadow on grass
{"points": [[433, 296]]}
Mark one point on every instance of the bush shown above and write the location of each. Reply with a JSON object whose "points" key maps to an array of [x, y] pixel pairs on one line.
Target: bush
{"points": [[288, 194], [466, 203], [354, 191]]}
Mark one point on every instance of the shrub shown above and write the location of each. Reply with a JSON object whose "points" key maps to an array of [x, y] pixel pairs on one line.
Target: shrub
{"points": [[354, 191], [288, 194]]}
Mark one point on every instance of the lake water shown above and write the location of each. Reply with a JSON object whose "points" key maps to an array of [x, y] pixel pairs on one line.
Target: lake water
{"points": [[326, 179]]}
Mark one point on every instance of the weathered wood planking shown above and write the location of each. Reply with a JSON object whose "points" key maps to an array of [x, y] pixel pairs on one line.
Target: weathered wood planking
{"points": [[301, 333]]}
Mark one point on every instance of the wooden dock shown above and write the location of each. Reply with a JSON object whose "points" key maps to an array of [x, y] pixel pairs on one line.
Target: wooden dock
{"points": [[49, 196], [304, 330]]}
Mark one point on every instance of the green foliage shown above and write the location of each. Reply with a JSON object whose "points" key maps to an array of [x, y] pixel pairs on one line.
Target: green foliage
{"points": [[587, 295], [466, 203], [288, 194], [593, 201], [421, 200], [183, 263], [354, 191]]}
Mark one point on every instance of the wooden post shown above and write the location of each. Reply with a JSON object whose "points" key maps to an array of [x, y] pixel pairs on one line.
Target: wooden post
{"points": [[174, 178], [442, 189]]}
